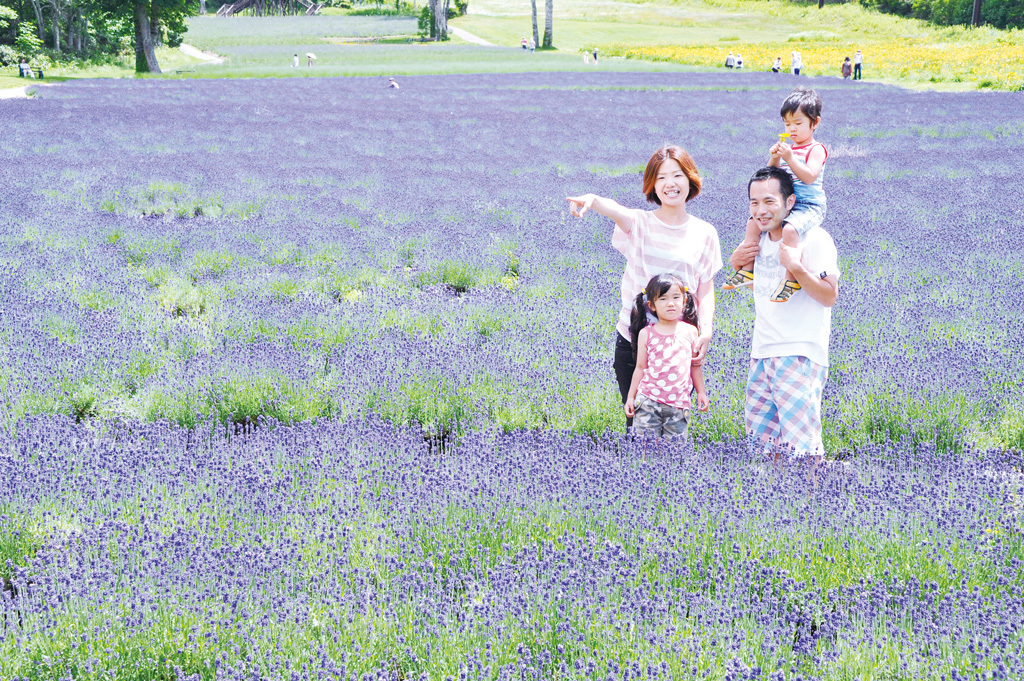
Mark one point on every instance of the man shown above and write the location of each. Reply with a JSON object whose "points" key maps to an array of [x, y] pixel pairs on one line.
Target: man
{"points": [[789, 351], [858, 59]]}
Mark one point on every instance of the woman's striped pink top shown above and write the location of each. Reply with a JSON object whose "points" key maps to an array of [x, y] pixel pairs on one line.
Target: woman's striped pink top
{"points": [[690, 250]]}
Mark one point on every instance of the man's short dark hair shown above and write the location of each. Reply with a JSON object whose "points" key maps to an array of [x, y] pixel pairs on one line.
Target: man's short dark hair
{"points": [[770, 172], [803, 100]]}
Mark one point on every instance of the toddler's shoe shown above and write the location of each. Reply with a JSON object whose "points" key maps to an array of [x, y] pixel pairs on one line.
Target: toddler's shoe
{"points": [[738, 279], [785, 290]]}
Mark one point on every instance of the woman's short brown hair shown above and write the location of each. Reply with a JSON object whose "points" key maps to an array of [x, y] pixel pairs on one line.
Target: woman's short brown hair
{"points": [[679, 155]]}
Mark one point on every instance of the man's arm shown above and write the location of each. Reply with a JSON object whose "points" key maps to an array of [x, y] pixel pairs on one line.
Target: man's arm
{"points": [[824, 291], [743, 254]]}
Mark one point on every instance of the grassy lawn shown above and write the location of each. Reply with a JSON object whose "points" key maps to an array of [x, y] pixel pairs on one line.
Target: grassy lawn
{"points": [[263, 47], [701, 32], [170, 59], [395, 60], [572, 35], [13, 81], [655, 35], [212, 32], [580, 25]]}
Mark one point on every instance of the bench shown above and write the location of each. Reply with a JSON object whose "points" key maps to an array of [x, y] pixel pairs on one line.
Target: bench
{"points": [[30, 71]]}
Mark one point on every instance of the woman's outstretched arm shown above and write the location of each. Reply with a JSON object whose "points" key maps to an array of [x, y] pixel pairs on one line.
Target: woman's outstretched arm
{"points": [[579, 205]]}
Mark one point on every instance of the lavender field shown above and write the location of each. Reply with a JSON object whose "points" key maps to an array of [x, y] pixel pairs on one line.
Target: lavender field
{"points": [[307, 379]]}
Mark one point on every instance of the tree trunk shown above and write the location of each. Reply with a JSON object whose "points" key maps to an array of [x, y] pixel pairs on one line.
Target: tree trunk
{"points": [[83, 32], [536, 35], [37, 6], [72, 21], [441, 19], [56, 25], [976, 14], [154, 26], [145, 53], [821, 4], [548, 21], [202, 7]]}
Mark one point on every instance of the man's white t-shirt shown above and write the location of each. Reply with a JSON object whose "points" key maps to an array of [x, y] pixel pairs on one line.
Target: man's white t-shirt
{"points": [[858, 58], [800, 326]]}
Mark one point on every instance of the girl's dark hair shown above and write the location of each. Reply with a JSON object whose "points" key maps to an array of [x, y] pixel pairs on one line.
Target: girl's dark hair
{"points": [[658, 286]]}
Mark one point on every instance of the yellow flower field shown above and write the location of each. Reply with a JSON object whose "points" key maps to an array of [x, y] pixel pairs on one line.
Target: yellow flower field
{"points": [[985, 65]]}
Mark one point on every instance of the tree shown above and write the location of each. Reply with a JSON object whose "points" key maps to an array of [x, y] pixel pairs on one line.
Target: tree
{"points": [[433, 20], [976, 15], [60, 7], [548, 21], [536, 35], [145, 49], [37, 7], [7, 17], [149, 19]]}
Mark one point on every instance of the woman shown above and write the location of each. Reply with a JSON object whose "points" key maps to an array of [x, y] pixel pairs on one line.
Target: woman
{"points": [[846, 69], [667, 239]]}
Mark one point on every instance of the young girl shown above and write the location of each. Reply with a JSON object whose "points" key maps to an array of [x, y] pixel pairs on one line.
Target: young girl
{"points": [[805, 162], [659, 396]]}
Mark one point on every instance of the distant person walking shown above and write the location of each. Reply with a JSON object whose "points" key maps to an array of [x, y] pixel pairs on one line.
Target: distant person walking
{"points": [[796, 63], [739, 61], [533, 45], [595, 55], [524, 42], [295, 60], [777, 66], [858, 59], [730, 61], [586, 58], [846, 69]]}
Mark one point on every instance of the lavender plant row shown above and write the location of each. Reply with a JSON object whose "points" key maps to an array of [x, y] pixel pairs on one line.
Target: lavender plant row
{"points": [[304, 250], [355, 550]]}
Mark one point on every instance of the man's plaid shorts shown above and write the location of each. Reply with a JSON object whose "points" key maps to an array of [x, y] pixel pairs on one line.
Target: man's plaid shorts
{"points": [[783, 406]]}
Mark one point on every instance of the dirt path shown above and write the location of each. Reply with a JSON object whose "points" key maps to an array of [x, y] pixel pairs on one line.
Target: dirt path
{"points": [[208, 57], [469, 37], [14, 92]]}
